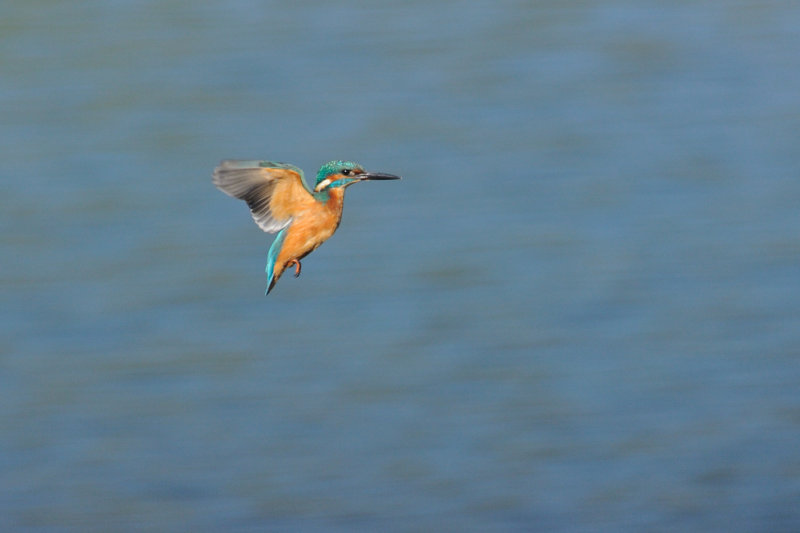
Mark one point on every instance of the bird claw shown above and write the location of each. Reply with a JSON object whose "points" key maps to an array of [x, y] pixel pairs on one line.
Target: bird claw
{"points": [[297, 267]]}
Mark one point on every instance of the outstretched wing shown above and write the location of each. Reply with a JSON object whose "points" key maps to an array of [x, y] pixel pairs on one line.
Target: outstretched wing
{"points": [[273, 191]]}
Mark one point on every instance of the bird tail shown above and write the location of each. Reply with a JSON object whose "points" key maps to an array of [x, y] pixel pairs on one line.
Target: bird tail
{"points": [[272, 257]]}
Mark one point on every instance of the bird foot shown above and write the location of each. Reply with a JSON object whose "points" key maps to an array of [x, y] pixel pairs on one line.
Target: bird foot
{"points": [[297, 267]]}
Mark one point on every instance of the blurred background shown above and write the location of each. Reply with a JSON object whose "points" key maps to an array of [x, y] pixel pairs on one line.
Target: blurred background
{"points": [[579, 310]]}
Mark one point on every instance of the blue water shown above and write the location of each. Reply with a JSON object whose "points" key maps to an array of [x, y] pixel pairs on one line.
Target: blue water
{"points": [[579, 310]]}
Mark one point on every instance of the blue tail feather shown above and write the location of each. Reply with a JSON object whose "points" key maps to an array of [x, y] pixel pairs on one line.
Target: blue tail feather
{"points": [[272, 257]]}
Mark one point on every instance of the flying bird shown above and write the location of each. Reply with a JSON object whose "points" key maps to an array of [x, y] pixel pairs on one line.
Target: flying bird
{"points": [[280, 201]]}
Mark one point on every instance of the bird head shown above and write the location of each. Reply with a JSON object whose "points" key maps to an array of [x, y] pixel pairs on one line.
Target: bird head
{"points": [[340, 174]]}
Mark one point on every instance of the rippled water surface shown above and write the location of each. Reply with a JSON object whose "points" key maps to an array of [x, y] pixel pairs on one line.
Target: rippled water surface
{"points": [[579, 310]]}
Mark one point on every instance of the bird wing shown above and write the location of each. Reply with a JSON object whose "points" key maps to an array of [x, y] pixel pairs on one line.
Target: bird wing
{"points": [[273, 191]]}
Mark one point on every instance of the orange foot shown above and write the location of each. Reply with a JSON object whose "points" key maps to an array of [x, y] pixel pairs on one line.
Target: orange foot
{"points": [[297, 267]]}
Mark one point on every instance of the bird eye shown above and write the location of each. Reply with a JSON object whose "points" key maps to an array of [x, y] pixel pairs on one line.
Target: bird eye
{"points": [[346, 172]]}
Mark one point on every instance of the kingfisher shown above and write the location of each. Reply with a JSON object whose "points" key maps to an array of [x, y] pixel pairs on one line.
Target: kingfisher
{"points": [[280, 201]]}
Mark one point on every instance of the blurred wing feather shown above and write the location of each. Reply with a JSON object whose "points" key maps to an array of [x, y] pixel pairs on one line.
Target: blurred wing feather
{"points": [[273, 191]]}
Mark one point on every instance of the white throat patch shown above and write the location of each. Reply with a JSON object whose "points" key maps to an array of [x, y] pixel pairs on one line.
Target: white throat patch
{"points": [[322, 184]]}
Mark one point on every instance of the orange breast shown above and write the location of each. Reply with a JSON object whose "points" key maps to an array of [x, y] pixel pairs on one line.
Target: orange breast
{"points": [[311, 226]]}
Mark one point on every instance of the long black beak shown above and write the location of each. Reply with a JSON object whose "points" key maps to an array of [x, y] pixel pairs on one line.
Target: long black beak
{"points": [[378, 176]]}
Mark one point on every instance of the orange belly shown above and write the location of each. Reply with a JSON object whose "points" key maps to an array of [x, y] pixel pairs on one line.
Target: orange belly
{"points": [[309, 229]]}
